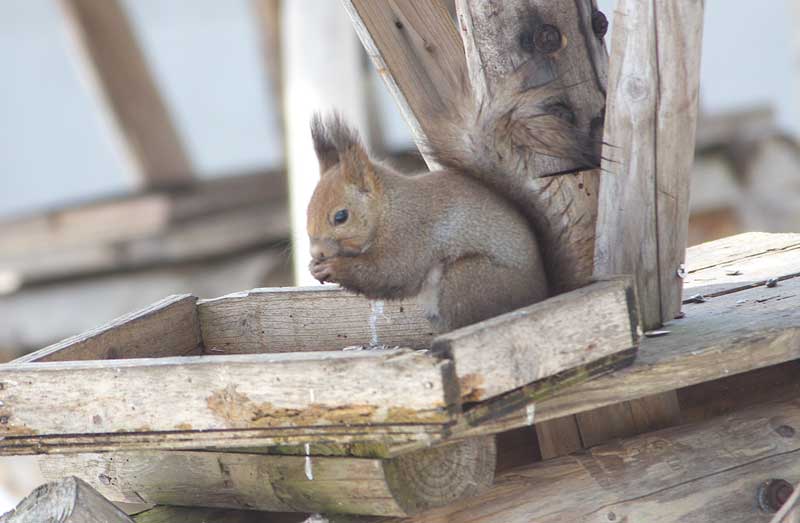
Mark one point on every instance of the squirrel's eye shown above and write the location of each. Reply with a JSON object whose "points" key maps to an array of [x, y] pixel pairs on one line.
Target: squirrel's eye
{"points": [[340, 217]]}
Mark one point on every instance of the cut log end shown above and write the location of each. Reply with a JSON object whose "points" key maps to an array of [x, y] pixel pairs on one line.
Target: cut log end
{"points": [[438, 476]]}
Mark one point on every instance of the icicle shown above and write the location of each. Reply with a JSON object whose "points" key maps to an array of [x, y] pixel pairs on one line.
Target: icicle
{"points": [[309, 470], [377, 310], [530, 412]]}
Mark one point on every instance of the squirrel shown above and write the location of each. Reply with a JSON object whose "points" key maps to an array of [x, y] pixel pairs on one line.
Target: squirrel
{"points": [[455, 238]]}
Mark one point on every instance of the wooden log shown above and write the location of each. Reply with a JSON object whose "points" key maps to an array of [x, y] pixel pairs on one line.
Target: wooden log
{"points": [[415, 48], [107, 45], [652, 111], [401, 486], [323, 70], [308, 319], [542, 340], [67, 501], [268, 17], [694, 473], [348, 390], [167, 328]]}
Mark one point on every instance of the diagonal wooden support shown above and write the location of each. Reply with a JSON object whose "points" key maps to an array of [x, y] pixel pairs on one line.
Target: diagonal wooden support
{"points": [[108, 46]]}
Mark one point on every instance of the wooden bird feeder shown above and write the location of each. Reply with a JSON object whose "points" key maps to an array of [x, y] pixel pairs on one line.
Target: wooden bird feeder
{"points": [[316, 400]]}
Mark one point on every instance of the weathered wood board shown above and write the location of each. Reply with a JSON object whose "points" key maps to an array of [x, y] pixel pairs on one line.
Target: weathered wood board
{"points": [[401, 486], [69, 500], [167, 328], [541, 340], [344, 390], [308, 319], [654, 83], [749, 328]]}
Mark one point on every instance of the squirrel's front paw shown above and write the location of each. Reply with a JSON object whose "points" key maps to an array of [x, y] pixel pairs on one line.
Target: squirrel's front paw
{"points": [[322, 270]]}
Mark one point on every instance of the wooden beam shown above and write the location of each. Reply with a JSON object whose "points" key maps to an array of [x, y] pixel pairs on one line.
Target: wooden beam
{"points": [[650, 126], [323, 70], [703, 472], [415, 47], [108, 46], [354, 392], [67, 501], [167, 328], [401, 486]]}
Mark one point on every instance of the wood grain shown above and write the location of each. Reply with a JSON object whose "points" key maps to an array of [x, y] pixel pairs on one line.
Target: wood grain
{"points": [[167, 328], [213, 515], [109, 49], [67, 501], [350, 390], [504, 353], [650, 126], [402, 486], [702, 472], [308, 319], [416, 50], [725, 336]]}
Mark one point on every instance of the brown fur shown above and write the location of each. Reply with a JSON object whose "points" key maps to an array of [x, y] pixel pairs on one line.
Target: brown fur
{"points": [[441, 235]]}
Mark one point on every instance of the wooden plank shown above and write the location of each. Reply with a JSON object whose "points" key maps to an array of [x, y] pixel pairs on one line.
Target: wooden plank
{"points": [[693, 473], [102, 298], [108, 47], [415, 48], [652, 111], [512, 350], [724, 336], [67, 501], [308, 319], [323, 68], [342, 389], [167, 328], [401, 486]]}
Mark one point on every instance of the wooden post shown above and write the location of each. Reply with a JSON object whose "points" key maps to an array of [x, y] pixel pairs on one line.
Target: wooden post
{"points": [[67, 501], [650, 126], [108, 46], [323, 70], [644, 191]]}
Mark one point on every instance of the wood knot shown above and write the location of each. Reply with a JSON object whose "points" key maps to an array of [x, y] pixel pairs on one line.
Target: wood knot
{"points": [[549, 40]]}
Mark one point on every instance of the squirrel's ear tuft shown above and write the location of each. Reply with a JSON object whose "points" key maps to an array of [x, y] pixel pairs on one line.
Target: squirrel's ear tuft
{"points": [[332, 138]]}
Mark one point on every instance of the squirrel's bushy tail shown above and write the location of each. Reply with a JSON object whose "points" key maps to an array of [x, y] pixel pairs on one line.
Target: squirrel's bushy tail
{"points": [[496, 139]]}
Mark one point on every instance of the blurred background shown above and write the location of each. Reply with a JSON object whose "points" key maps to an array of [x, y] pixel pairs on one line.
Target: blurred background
{"points": [[145, 145]]}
